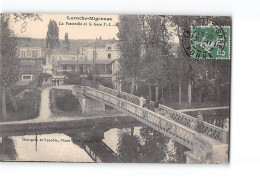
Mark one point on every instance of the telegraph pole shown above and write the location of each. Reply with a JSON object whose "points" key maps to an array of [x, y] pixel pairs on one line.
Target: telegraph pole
{"points": [[82, 48], [77, 67], [94, 65]]}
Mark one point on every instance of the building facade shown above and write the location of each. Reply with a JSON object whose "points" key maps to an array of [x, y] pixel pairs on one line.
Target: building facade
{"points": [[31, 63], [105, 50], [116, 75], [30, 52]]}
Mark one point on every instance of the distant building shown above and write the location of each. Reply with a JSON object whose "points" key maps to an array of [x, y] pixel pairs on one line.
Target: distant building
{"points": [[116, 75], [30, 52], [84, 67], [105, 50], [62, 62], [31, 62]]}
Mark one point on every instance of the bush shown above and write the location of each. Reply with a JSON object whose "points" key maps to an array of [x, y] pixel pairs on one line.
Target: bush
{"points": [[107, 82], [72, 78], [66, 102], [15, 90], [28, 106]]}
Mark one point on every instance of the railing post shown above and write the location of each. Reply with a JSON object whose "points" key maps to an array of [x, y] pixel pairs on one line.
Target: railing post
{"points": [[225, 136], [119, 102]]}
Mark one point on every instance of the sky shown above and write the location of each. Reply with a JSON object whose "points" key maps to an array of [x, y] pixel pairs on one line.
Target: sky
{"points": [[38, 29]]}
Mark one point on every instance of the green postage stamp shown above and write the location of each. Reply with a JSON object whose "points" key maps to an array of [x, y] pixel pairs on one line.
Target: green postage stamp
{"points": [[210, 42]]}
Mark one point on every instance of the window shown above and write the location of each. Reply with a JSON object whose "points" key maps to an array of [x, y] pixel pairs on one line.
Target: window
{"points": [[135, 87], [22, 53], [26, 77], [142, 51], [73, 58], [109, 56], [65, 67], [72, 67], [28, 53], [34, 53], [81, 69]]}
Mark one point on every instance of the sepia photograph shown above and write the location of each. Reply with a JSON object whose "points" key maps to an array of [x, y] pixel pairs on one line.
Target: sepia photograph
{"points": [[126, 88]]}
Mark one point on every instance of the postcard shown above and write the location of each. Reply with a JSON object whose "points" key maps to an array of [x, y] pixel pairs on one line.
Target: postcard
{"points": [[115, 88]]}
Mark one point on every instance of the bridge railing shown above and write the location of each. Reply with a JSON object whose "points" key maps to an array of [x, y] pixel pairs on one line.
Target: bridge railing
{"points": [[191, 122], [184, 119], [168, 127], [126, 96]]}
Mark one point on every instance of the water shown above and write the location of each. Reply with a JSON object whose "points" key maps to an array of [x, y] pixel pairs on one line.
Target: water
{"points": [[126, 144], [131, 142]]}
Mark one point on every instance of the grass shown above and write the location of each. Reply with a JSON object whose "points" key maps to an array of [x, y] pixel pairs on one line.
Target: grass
{"points": [[28, 106]]}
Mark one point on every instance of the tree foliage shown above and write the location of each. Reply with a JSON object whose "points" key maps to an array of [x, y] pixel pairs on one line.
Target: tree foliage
{"points": [[9, 62], [146, 48], [157, 57], [52, 38], [67, 42], [130, 41]]}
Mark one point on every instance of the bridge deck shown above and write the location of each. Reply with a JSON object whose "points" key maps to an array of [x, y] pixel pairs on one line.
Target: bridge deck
{"points": [[207, 129], [170, 128]]}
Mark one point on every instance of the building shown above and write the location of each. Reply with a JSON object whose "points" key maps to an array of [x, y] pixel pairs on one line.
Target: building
{"points": [[84, 67], [96, 57], [105, 50], [31, 62], [30, 52], [101, 54], [116, 75]]}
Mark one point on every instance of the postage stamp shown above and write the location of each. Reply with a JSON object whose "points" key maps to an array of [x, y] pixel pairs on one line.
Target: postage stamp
{"points": [[208, 42]]}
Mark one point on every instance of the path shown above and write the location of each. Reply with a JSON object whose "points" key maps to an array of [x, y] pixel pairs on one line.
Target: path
{"points": [[45, 109], [46, 115]]}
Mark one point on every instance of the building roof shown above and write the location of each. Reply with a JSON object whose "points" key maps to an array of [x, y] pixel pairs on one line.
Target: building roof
{"points": [[99, 43], [84, 62], [26, 46], [63, 52], [58, 77]]}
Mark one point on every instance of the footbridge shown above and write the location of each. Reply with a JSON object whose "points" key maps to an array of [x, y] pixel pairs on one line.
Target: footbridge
{"points": [[209, 146]]}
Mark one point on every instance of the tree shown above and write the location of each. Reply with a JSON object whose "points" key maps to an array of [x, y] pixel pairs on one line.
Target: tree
{"points": [[196, 72], [130, 40], [67, 42], [129, 146], [52, 38], [9, 63], [157, 58], [180, 23]]}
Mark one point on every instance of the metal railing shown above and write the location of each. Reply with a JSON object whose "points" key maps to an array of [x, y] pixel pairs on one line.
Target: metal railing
{"points": [[208, 129], [191, 122], [170, 128], [126, 96]]}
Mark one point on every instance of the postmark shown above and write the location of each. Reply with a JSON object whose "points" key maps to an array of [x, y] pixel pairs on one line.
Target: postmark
{"points": [[205, 39]]}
